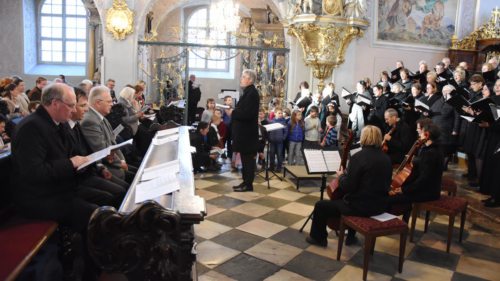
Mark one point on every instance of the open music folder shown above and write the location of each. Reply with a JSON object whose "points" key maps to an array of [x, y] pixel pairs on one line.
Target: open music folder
{"points": [[321, 161]]}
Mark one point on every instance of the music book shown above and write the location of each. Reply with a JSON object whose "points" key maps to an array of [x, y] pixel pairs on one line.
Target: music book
{"points": [[273, 126], [345, 93], [145, 108], [482, 106], [98, 155], [362, 100], [421, 105], [321, 161], [495, 110], [395, 76]]}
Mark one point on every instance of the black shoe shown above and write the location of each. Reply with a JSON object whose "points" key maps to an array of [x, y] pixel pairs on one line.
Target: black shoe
{"points": [[243, 189], [487, 200], [492, 204], [351, 240], [239, 185], [313, 241]]}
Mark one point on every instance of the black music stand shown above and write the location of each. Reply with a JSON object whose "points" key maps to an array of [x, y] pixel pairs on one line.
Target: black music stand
{"points": [[317, 165], [266, 171]]}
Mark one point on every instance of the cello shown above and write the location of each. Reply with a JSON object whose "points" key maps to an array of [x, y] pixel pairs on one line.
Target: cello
{"points": [[332, 189], [404, 170]]}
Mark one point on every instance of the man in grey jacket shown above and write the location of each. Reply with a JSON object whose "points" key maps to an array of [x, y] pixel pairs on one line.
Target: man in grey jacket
{"points": [[99, 133]]}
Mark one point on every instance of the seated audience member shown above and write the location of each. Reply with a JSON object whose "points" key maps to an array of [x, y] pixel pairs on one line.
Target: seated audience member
{"points": [[330, 139], [364, 183], [132, 116], [424, 183], [35, 94], [99, 133], [398, 141], [111, 86], [3, 136], [202, 159], [214, 137], [33, 106], [94, 182], [44, 176], [14, 102], [221, 127], [86, 85]]}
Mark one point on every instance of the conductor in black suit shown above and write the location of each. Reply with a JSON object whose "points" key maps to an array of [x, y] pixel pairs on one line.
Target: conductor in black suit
{"points": [[44, 173], [245, 129]]}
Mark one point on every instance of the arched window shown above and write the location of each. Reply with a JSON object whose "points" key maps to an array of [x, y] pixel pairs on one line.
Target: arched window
{"points": [[199, 31], [62, 32]]}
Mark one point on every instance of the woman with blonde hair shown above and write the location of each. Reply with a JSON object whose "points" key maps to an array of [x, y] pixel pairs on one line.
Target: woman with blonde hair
{"points": [[364, 183]]}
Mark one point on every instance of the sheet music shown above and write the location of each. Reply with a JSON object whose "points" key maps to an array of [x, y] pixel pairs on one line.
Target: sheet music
{"points": [[156, 187], [94, 157], [164, 139], [217, 150], [150, 116], [315, 161], [116, 146], [153, 172], [345, 93], [332, 159], [222, 106], [167, 132], [384, 217], [273, 126], [468, 118], [421, 104], [118, 130]]}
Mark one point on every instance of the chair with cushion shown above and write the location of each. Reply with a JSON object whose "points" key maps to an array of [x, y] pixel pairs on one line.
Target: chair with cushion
{"points": [[446, 205], [371, 229]]}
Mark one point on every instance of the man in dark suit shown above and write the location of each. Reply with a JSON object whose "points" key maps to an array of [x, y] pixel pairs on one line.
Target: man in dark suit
{"points": [[44, 173], [398, 140], [194, 96], [246, 129], [94, 182], [99, 133], [380, 104]]}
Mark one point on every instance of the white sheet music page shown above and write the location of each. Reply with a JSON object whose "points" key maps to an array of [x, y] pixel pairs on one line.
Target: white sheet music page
{"points": [[94, 157], [315, 161], [332, 159], [156, 187], [273, 126], [384, 217], [157, 171], [167, 132], [118, 130], [116, 146], [164, 139], [354, 151]]}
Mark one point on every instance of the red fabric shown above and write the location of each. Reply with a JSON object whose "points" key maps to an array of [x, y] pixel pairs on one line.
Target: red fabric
{"points": [[446, 204], [222, 133], [369, 224], [18, 239]]}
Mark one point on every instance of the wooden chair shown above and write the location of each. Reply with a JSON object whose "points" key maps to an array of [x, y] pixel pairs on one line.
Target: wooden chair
{"points": [[446, 205], [371, 229]]}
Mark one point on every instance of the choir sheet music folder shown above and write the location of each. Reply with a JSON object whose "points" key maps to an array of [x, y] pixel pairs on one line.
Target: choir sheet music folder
{"points": [[321, 161]]}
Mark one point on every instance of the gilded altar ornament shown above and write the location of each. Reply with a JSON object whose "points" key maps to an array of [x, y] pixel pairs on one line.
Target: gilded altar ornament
{"points": [[333, 7], [489, 30], [120, 20]]}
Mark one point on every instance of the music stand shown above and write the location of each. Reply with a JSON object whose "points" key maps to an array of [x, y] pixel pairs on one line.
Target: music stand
{"points": [[322, 162], [269, 128]]}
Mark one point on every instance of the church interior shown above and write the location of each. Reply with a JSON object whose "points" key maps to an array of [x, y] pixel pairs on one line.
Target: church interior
{"points": [[170, 82]]}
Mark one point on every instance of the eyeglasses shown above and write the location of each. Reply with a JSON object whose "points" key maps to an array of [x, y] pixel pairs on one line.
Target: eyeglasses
{"points": [[107, 101], [70, 105]]}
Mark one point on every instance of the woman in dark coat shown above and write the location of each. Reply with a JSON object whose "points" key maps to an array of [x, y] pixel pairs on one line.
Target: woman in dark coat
{"points": [[245, 129], [365, 184]]}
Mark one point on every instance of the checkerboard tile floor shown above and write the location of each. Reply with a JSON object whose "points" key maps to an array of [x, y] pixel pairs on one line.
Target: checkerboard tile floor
{"points": [[254, 236]]}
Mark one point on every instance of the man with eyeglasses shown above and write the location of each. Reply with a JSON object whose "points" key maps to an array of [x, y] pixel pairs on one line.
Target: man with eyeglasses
{"points": [[99, 133], [96, 184], [44, 173]]}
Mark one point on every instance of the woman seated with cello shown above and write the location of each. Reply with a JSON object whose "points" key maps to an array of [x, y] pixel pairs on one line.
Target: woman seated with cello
{"points": [[365, 183], [424, 182]]}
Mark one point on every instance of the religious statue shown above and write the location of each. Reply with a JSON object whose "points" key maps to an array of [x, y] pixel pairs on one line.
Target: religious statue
{"points": [[307, 6], [149, 23], [355, 9], [333, 7]]}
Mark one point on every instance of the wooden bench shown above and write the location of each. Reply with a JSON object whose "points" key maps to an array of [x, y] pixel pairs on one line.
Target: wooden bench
{"points": [[20, 239]]}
